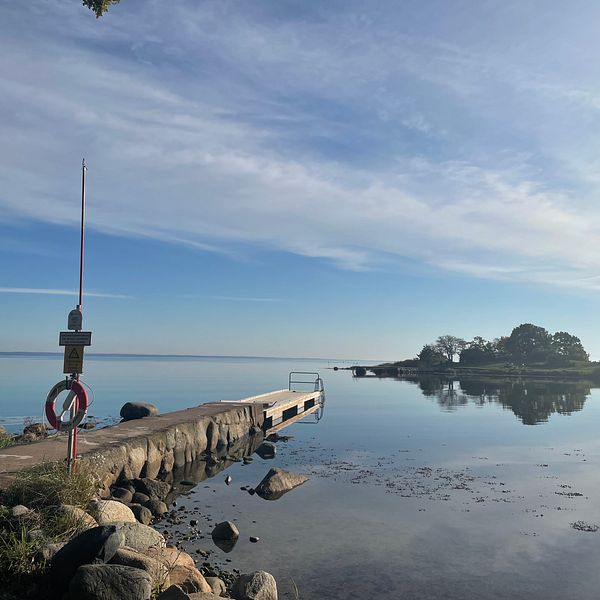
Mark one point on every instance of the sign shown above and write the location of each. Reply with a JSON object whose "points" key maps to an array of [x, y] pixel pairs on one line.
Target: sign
{"points": [[75, 321], [73, 359], [75, 338]]}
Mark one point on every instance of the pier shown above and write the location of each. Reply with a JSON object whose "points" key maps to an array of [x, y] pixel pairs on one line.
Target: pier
{"points": [[158, 444]]}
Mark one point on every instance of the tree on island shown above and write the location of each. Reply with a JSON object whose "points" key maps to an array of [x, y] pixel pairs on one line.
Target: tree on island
{"points": [[430, 355], [99, 7], [449, 346], [527, 344]]}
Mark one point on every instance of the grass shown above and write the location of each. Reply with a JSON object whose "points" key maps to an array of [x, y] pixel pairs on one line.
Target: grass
{"points": [[51, 484], [6, 439], [42, 489]]}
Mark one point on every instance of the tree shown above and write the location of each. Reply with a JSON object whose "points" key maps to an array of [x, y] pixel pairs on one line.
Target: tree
{"points": [[99, 7], [430, 355], [529, 343], [568, 346], [477, 352], [449, 346]]}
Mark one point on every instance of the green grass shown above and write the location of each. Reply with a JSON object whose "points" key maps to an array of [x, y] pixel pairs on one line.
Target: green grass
{"points": [[6, 439], [41, 489], [50, 484]]}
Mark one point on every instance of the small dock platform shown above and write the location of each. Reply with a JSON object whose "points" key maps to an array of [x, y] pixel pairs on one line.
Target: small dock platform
{"points": [[284, 407]]}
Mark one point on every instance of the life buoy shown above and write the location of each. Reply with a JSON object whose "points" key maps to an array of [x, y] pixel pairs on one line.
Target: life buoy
{"points": [[76, 391]]}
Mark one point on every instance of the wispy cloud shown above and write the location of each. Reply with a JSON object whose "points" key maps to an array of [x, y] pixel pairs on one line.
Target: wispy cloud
{"points": [[346, 135], [58, 292]]}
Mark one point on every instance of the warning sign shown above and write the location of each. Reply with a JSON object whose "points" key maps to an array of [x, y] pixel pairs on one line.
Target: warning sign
{"points": [[73, 359]]}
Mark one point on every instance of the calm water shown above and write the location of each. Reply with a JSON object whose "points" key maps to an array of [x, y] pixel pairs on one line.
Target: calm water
{"points": [[417, 489]]}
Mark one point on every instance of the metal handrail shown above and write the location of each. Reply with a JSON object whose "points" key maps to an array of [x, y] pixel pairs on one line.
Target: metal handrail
{"points": [[318, 382]]}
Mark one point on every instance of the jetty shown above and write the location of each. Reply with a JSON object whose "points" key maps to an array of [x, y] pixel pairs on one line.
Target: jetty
{"points": [[158, 444]]}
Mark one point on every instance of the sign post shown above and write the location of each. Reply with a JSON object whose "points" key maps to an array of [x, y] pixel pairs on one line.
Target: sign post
{"points": [[74, 342]]}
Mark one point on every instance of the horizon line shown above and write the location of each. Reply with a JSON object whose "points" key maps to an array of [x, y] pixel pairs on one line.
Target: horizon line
{"points": [[155, 355]]}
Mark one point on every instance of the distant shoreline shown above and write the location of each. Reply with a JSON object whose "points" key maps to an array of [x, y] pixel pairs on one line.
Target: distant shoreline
{"points": [[590, 372]]}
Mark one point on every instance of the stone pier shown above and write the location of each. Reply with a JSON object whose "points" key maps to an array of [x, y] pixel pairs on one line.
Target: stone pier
{"points": [[144, 447]]}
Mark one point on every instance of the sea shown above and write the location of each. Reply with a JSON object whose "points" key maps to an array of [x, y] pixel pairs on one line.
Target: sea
{"points": [[422, 488]]}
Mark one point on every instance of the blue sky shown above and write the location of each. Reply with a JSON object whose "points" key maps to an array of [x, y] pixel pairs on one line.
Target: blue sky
{"points": [[341, 179]]}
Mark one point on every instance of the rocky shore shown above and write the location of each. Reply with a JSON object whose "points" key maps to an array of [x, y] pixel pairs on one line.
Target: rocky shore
{"points": [[110, 546]]}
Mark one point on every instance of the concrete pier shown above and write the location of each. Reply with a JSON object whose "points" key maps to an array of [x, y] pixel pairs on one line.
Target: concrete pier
{"points": [[158, 444]]}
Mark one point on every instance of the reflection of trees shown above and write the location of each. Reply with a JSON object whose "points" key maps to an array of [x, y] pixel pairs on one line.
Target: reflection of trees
{"points": [[532, 402]]}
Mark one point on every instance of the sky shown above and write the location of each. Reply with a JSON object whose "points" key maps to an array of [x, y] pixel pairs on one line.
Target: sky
{"points": [[343, 179]]}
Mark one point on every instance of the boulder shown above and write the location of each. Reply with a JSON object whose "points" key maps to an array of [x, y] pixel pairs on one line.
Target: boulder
{"points": [[217, 586], [277, 482], [19, 511], [94, 545], [266, 450], [76, 516], [122, 494], [109, 582], [225, 535], [141, 513], [157, 507], [189, 579], [171, 557], [47, 551], [259, 585], [152, 487], [175, 592], [139, 498], [140, 537], [158, 572], [34, 432], [137, 410], [111, 511]]}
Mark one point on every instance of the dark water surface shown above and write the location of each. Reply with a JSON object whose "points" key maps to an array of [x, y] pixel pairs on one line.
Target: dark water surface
{"points": [[424, 489]]}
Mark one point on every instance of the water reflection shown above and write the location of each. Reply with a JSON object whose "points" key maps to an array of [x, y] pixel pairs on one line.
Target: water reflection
{"points": [[531, 401]]}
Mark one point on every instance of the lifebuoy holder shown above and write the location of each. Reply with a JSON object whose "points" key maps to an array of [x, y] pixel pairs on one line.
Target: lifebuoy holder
{"points": [[76, 394]]}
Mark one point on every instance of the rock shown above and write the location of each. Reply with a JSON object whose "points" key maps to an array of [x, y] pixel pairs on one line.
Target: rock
{"points": [[140, 498], [259, 585], [254, 539], [157, 507], [141, 513], [34, 432], [276, 437], [277, 482], [140, 537], [111, 511], [181, 567], [87, 425], [47, 551], [94, 545], [171, 557], [228, 479], [109, 582], [189, 579], [217, 586], [247, 460], [77, 516], [152, 487], [137, 410], [122, 494], [19, 511], [157, 570], [225, 535], [193, 522], [255, 430], [175, 592], [35, 535], [266, 450]]}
